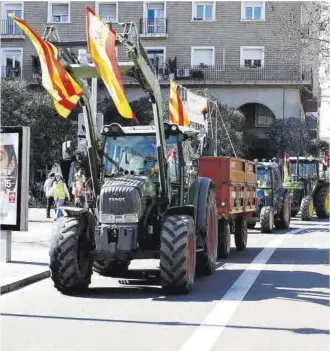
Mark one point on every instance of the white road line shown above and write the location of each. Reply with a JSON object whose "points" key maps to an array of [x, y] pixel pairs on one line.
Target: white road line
{"points": [[206, 335]]}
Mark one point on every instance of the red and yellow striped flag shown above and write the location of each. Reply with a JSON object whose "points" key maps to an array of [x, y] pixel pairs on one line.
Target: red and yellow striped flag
{"points": [[286, 168], [55, 79], [177, 113], [102, 48]]}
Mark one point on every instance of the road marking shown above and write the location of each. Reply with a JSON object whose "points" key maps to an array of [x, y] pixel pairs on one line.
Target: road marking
{"points": [[206, 335]]}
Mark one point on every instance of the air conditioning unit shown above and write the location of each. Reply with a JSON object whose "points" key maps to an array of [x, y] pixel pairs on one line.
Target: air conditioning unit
{"points": [[183, 72]]}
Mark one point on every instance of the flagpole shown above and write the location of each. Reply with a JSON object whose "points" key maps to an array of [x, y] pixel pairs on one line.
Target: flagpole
{"points": [[94, 98]]}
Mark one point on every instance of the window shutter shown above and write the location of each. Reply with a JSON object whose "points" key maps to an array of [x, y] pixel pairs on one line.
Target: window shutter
{"points": [[108, 11], [59, 10]]}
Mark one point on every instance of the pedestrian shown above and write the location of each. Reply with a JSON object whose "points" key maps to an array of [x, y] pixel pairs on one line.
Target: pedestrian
{"points": [[60, 193], [78, 189], [48, 190]]}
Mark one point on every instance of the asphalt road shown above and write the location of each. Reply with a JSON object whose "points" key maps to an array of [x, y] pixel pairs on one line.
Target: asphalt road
{"points": [[274, 296]]}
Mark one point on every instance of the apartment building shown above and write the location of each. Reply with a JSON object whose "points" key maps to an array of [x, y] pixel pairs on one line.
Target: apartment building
{"points": [[231, 47]]}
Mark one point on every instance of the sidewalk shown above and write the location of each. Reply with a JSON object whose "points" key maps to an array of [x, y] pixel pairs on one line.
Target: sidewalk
{"points": [[29, 258]]}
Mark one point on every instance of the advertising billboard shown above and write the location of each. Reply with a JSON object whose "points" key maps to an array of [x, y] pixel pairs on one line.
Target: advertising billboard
{"points": [[14, 177]]}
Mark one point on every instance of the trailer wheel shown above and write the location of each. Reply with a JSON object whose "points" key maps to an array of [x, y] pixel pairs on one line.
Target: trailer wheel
{"points": [[178, 254], [241, 234], [267, 219], [322, 202], [207, 260], [283, 222], [307, 208], [111, 269], [70, 260], [224, 238]]}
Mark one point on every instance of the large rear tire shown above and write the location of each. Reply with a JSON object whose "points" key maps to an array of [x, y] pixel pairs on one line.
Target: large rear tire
{"points": [[241, 234], [322, 202], [307, 208], [207, 260], [70, 260], [267, 219], [224, 239], [112, 269], [283, 222], [178, 254]]}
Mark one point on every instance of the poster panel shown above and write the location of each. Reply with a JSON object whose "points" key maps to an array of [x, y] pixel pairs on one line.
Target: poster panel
{"points": [[14, 188], [193, 106]]}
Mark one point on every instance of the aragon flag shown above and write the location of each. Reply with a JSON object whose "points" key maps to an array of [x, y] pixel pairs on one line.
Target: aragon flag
{"points": [[102, 48], [286, 168], [177, 113], [55, 79]]}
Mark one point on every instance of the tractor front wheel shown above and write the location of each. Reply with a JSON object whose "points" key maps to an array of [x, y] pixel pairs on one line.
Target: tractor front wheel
{"points": [[322, 202], [178, 254], [283, 222], [70, 260], [267, 219], [307, 208]]}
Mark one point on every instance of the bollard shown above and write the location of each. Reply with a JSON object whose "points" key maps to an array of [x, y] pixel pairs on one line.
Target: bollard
{"points": [[5, 239]]}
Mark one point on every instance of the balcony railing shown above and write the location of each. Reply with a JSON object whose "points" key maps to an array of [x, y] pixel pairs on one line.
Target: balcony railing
{"points": [[236, 74], [153, 27], [10, 72], [10, 28]]}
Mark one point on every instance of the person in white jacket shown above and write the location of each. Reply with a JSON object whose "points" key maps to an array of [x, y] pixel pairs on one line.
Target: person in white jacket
{"points": [[48, 190]]}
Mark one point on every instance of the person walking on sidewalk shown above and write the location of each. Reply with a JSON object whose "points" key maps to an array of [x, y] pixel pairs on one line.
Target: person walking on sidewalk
{"points": [[48, 190], [61, 192], [78, 189]]}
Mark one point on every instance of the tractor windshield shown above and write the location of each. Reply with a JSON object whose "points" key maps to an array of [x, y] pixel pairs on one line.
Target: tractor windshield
{"points": [[134, 153], [303, 169], [264, 179]]}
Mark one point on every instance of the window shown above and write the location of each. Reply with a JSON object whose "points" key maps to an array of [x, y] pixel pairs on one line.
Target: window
{"points": [[264, 116], [156, 57], [9, 27], [108, 11], [11, 65], [59, 12], [155, 21], [202, 56], [253, 10], [203, 11], [252, 56]]}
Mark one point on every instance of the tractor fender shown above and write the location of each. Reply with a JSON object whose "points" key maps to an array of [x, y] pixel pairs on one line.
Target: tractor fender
{"points": [[198, 194], [281, 194], [187, 210]]}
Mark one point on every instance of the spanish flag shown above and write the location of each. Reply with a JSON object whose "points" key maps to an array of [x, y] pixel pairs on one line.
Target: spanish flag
{"points": [[55, 79], [325, 160], [102, 48], [286, 167], [177, 113]]}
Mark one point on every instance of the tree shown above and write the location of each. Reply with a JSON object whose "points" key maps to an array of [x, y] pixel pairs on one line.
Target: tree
{"points": [[23, 106], [293, 136]]}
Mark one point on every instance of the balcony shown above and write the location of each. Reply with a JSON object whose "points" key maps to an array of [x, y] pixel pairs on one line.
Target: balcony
{"points": [[235, 75], [8, 29], [153, 27]]}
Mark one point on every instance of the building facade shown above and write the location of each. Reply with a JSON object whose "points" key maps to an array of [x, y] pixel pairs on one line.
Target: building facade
{"points": [[236, 49]]}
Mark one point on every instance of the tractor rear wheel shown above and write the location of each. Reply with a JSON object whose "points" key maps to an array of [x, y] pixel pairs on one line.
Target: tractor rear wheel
{"points": [[267, 219], [224, 238], [283, 222], [178, 254], [307, 208], [112, 269], [241, 234], [70, 260], [207, 260], [322, 202]]}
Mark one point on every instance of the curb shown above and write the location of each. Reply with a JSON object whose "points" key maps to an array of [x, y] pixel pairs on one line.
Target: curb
{"points": [[24, 282]]}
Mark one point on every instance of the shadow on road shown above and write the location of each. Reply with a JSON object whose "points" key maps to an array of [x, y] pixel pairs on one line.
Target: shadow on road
{"points": [[166, 323], [30, 263]]}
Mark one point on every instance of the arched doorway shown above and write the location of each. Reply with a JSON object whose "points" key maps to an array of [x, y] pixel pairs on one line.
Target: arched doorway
{"points": [[258, 119]]}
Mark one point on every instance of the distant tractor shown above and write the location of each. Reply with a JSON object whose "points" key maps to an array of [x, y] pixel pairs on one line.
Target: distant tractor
{"points": [[309, 187], [273, 200]]}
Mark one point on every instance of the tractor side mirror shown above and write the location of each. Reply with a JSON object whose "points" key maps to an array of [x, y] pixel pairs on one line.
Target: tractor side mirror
{"points": [[208, 148], [194, 162]]}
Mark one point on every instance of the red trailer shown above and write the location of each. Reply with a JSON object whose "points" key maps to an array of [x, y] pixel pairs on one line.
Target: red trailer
{"points": [[235, 183]]}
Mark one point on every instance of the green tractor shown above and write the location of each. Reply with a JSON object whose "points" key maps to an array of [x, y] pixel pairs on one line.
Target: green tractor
{"points": [[309, 187]]}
